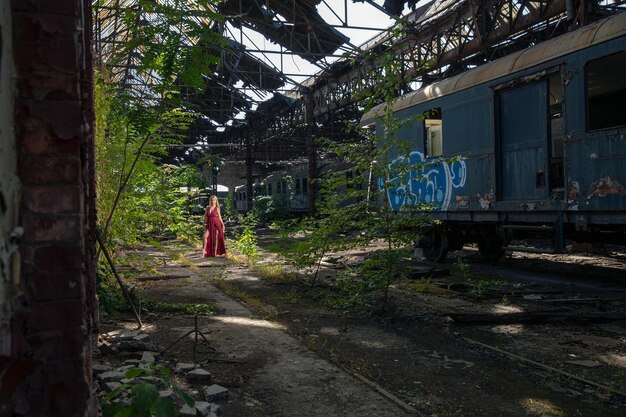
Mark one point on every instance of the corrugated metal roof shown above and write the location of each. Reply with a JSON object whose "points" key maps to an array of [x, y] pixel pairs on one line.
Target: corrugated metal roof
{"points": [[595, 33]]}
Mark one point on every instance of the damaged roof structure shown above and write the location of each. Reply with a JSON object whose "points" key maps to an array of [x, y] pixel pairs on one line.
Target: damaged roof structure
{"points": [[253, 110]]}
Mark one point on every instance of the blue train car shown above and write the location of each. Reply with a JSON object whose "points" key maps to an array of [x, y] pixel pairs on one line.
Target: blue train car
{"points": [[240, 196], [299, 196], [541, 138], [279, 187], [288, 189]]}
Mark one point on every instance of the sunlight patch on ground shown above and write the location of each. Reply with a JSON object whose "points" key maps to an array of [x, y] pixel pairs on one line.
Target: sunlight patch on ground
{"points": [[540, 407], [374, 344], [504, 309], [132, 325], [329, 330], [614, 359], [245, 321], [508, 329]]}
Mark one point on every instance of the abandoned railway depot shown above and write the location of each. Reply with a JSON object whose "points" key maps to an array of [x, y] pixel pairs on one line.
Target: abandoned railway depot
{"points": [[423, 204]]}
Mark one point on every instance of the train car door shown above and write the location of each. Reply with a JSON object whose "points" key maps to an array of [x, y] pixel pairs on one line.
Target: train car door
{"points": [[522, 142]]}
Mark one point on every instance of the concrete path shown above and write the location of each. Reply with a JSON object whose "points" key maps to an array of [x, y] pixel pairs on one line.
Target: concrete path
{"points": [[290, 380]]}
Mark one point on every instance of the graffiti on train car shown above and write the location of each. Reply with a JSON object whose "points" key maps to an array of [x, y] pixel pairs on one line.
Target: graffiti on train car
{"points": [[430, 182]]}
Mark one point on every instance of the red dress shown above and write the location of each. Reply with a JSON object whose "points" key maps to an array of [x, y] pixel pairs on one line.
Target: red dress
{"points": [[214, 244]]}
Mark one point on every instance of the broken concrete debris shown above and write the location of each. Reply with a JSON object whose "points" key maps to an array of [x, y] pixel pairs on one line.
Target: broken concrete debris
{"points": [[206, 409], [126, 340], [167, 393], [125, 368], [97, 368], [182, 368], [144, 355], [199, 375], [111, 376], [147, 357], [110, 386], [141, 338], [188, 411], [135, 346], [215, 393], [201, 409]]}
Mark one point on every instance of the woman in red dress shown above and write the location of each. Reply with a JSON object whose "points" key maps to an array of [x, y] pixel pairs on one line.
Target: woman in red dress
{"points": [[213, 239]]}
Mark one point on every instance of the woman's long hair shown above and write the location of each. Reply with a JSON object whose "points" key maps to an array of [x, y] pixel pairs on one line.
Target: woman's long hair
{"points": [[217, 201]]}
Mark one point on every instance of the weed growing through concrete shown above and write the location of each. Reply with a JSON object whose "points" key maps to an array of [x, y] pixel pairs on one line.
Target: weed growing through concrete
{"points": [[482, 287], [182, 260], [423, 286], [239, 294], [246, 241], [273, 273], [461, 268], [138, 397], [180, 308]]}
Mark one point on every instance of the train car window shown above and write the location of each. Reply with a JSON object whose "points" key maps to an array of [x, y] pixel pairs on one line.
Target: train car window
{"points": [[269, 189], [433, 138], [305, 186], [297, 185], [284, 183], [606, 91]]}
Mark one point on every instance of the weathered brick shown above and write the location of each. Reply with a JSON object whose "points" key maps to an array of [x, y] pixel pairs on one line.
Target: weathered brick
{"points": [[52, 199], [48, 86], [51, 315], [51, 228], [39, 26], [58, 344], [42, 141], [51, 258], [56, 285], [62, 7], [42, 170], [53, 321], [58, 53], [58, 379], [63, 118]]}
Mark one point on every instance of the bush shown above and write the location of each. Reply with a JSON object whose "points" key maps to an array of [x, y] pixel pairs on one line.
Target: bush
{"points": [[264, 209], [246, 241]]}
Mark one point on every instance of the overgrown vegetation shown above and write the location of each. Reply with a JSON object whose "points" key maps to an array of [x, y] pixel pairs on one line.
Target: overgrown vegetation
{"points": [[139, 397], [139, 197], [483, 285], [179, 308], [355, 207], [245, 241]]}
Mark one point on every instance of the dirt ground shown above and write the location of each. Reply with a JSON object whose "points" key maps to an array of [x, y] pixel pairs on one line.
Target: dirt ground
{"points": [[283, 352]]}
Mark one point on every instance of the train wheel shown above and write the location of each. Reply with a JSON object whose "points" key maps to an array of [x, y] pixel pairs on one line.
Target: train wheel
{"points": [[435, 246], [490, 249]]}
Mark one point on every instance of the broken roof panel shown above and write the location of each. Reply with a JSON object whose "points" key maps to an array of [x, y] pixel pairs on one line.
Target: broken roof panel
{"points": [[295, 25], [239, 64]]}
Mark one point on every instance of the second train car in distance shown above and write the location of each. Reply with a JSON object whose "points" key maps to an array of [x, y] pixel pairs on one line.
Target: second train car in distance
{"points": [[540, 136]]}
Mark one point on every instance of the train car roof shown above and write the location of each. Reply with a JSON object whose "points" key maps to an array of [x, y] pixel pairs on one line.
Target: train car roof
{"points": [[275, 176], [584, 37], [244, 186]]}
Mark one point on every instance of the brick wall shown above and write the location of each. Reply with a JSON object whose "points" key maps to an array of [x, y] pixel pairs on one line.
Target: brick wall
{"points": [[9, 183], [53, 302]]}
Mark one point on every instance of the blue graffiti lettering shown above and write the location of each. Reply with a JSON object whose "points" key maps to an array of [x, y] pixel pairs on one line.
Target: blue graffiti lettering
{"points": [[430, 181]]}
